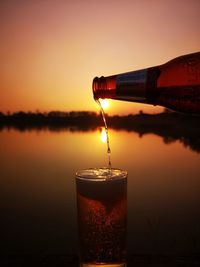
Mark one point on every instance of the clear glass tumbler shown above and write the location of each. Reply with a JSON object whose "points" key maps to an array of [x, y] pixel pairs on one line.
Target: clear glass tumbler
{"points": [[102, 217]]}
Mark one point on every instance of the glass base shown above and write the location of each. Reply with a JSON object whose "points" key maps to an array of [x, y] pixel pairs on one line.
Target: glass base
{"points": [[103, 264]]}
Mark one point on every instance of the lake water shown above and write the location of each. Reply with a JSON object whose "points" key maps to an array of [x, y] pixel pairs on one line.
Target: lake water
{"points": [[38, 194]]}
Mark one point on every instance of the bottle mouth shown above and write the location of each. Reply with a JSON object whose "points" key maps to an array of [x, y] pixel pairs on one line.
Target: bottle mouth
{"points": [[94, 87], [99, 87]]}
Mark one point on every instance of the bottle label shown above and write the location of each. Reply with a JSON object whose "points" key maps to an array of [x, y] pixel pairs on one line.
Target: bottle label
{"points": [[132, 86]]}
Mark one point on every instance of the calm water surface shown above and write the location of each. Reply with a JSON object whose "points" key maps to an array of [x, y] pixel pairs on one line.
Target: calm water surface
{"points": [[38, 197]]}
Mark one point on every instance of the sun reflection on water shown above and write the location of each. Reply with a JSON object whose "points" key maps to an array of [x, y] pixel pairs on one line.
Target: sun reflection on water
{"points": [[103, 135]]}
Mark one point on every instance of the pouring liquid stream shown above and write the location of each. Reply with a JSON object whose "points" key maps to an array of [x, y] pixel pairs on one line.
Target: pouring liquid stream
{"points": [[107, 136]]}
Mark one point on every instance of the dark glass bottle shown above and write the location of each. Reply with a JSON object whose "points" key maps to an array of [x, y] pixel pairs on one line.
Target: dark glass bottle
{"points": [[174, 85]]}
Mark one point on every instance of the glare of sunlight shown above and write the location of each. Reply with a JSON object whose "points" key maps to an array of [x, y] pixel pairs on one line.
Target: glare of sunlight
{"points": [[104, 103], [103, 135]]}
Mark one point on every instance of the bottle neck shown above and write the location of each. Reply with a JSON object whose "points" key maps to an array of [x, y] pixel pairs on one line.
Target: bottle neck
{"points": [[135, 86], [131, 86]]}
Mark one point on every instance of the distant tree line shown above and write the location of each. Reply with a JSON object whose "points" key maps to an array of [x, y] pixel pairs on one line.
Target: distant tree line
{"points": [[171, 126], [52, 118]]}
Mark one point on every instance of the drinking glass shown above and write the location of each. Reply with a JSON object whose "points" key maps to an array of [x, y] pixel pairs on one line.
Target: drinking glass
{"points": [[102, 216]]}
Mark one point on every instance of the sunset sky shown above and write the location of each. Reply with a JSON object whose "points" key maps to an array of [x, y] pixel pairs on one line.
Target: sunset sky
{"points": [[51, 50]]}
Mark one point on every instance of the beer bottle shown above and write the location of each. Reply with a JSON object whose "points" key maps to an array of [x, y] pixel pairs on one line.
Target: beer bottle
{"points": [[174, 85]]}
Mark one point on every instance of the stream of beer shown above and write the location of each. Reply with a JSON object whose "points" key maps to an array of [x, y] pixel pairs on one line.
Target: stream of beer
{"points": [[106, 129]]}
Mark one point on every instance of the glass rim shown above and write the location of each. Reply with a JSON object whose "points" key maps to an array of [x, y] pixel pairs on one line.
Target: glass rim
{"points": [[101, 174]]}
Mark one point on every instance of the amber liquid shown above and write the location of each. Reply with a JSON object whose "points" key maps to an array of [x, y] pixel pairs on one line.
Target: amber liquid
{"points": [[107, 135], [102, 221]]}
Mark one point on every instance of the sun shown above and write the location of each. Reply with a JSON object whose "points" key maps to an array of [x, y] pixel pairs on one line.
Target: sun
{"points": [[104, 103]]}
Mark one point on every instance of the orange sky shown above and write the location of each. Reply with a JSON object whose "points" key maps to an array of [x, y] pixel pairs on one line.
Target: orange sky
{"points": [[50, 50]]}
